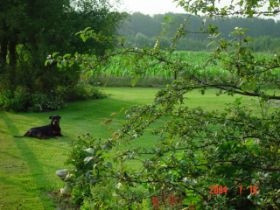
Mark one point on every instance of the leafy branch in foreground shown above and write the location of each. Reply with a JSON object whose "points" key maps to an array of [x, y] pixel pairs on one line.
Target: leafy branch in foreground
{"points": [[195, 149]]}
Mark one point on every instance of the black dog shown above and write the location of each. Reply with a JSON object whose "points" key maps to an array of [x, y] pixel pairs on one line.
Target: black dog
{"points": [[48, 131]]}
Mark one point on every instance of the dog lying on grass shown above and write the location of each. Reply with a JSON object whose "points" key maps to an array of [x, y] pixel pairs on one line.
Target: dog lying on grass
{"points": [[47, 131]]}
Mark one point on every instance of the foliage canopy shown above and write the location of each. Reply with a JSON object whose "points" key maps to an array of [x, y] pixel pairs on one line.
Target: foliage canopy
{"points": [[30, 31]]}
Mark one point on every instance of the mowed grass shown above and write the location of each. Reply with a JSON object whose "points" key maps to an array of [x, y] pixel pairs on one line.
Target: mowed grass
{"points": [[27, 166]]}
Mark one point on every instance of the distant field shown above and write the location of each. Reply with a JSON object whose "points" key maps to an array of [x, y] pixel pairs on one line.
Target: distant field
{"points": [[27, 166], [121, 71], [122, 66]]}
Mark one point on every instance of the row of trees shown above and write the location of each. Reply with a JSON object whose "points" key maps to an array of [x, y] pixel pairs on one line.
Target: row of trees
{"points": [[142, 30]]}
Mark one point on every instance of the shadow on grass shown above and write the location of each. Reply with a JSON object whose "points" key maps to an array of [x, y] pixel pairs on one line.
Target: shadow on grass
{"points": [[29, 157]]}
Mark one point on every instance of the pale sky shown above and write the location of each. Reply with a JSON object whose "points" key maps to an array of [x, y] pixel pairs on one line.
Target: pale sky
{"points": [[150, 6]]}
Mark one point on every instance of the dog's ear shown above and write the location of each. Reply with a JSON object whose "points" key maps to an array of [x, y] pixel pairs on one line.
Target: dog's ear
{"points": [[50, 117]]}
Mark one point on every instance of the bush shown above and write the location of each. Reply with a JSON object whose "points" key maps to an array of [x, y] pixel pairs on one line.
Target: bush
{"points": [[5, 96], [42, 102], [89, 165], [114, 81], [81, 189], [79, 92], [21, 100], [17, 100]]}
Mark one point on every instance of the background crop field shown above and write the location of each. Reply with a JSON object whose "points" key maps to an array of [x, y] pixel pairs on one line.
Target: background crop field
{"points": [[121, 70], [122, 66], [27, 166]]}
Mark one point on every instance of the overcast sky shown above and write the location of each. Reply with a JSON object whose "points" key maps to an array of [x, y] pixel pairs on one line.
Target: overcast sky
{"points": [[150, 6]]}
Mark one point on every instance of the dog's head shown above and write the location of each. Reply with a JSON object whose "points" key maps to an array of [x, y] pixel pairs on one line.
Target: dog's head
{"points": [[55, 119]]}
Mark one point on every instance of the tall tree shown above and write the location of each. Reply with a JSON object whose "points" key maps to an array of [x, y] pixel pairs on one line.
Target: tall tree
{"points": [[30, 30]]}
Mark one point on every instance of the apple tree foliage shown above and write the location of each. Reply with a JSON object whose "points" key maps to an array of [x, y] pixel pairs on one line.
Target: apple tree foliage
{"points": [[234, 147]]}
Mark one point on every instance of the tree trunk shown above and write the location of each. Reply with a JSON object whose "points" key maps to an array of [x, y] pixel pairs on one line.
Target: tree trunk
{"points": [[3, 51], [175, 75], [12, 52]]}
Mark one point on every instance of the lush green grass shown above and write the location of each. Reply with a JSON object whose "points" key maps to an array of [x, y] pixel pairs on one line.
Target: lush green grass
{"points": [[27, 166]]}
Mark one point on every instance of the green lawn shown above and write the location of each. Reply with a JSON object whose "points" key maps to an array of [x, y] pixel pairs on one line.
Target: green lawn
{"points": [[27, 166]]}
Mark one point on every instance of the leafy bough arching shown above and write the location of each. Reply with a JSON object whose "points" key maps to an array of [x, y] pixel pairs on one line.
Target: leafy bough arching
{"points": [[195, 149]]}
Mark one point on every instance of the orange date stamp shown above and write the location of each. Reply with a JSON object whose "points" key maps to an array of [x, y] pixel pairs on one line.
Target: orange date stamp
{"points": [[219, 190]]}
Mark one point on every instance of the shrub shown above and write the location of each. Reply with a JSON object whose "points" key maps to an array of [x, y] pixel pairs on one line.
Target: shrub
{"points": [[42, 102], [5, 96], [79, 92], [17, 100], [21, 100], [89, 190], [114, 81]]}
